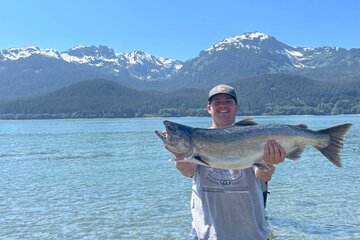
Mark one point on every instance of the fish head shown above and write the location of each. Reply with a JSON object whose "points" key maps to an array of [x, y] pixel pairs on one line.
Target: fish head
{"points": [[176, 137]]}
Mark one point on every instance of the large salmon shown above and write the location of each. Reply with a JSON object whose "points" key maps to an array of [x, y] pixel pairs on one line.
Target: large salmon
{"points": [[242, 144]]}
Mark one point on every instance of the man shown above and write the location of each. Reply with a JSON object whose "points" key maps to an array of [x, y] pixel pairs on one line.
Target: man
{"points": [[228, 204]]}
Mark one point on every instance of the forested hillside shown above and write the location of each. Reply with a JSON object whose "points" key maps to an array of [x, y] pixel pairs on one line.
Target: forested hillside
{"points": [[267, 94]]}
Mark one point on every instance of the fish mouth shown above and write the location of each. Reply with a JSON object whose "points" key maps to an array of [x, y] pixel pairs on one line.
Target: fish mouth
{"points": [[165, 137], [161, 135], [167, 133]]}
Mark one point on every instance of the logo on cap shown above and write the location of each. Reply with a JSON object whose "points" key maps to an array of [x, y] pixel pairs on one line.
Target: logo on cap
{"points": [[221, 89]]}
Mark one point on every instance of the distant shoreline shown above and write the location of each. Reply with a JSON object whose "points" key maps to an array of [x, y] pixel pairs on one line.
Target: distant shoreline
{"points": [[66, 116]]}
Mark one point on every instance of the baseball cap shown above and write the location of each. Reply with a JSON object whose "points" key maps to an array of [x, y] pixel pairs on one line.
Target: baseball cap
{"points": [[222, 89]]}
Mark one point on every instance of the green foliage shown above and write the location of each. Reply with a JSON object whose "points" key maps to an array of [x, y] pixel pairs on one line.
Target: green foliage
{"points": [[268, 94]]}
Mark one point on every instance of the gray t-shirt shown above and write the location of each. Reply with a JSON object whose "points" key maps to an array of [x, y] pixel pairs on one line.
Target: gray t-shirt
{"points": [[227, 204]]}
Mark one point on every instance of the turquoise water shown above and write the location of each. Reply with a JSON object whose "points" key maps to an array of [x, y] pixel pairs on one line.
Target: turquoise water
{"points": [[111, 179]]}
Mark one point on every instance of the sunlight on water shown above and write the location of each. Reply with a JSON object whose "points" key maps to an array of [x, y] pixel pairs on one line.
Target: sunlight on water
{"points": [[111, 179]]}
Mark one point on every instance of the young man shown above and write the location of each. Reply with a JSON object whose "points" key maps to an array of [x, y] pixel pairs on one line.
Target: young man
{"points": [[228, 204]]}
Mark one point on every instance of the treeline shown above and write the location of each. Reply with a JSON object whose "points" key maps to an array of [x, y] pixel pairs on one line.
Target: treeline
{"points": [[270, 95], [340, 107]]}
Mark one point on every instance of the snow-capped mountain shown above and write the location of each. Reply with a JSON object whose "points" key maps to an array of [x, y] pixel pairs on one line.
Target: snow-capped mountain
{"points": [[256, 53], [300, 57], [259, 43], [31, 70], [14, 54], [254, 40], [141, 65]]}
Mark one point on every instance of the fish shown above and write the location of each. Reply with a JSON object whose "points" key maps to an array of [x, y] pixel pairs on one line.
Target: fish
{"points": [[241, 145]]}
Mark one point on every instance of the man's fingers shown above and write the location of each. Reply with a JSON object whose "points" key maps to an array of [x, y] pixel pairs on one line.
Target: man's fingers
{"points": [[273, 152]]}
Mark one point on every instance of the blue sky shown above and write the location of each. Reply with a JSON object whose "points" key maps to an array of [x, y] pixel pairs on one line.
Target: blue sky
{"points": [[175, 29]]}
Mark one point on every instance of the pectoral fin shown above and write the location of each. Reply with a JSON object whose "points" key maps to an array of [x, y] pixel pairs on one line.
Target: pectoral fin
{"points": [[295, 153], [194, 159], [201, 161]]}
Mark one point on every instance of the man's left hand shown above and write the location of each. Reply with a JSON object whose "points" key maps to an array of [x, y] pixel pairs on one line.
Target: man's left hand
{"points": [[273, 153]]}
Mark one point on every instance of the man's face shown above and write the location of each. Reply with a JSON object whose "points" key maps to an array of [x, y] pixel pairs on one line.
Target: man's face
{"points": [[223, 110]]}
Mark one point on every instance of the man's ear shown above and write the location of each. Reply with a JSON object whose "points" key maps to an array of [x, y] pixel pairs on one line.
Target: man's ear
{"points": [[208, 107]]}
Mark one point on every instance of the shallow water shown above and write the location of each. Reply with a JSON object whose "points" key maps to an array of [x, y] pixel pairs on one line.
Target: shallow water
{"points": [[110, 179]]}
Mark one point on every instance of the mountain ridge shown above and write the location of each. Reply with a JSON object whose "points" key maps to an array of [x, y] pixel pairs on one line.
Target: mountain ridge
{"points": [[33, 71]]}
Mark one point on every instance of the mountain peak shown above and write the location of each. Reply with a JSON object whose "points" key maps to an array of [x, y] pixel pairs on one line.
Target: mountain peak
{"points": [[254, 35], [250, 40], [139, 57], [100, 51], [92, 55], [18, 53]]}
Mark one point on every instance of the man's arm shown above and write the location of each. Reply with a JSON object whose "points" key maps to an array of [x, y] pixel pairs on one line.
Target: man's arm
{"points": [[186, 168]]}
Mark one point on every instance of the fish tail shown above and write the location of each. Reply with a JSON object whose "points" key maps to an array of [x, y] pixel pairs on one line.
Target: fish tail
{"points": [[333, 150]]}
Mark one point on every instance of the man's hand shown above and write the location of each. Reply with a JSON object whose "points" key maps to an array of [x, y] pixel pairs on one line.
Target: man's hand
{"points": [[273, 153], [186, 168]]}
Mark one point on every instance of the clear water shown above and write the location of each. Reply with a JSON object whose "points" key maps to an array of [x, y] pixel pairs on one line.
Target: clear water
{"points": [[111, 179]]}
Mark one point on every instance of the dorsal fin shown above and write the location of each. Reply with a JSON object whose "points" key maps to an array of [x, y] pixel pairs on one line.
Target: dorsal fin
{"points": [[245, 122]]}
